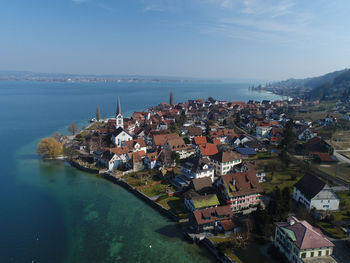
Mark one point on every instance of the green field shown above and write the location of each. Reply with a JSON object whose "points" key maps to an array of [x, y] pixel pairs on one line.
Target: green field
{"points": [[286, 177], [339, 170]]}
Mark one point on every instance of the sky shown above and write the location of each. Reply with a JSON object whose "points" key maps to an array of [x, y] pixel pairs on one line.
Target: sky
{"points": [[221, 39]]}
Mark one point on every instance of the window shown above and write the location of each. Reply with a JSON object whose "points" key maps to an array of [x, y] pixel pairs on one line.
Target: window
{"points": [[303, 255], [319, 253], [327, 252], [312, 254]]}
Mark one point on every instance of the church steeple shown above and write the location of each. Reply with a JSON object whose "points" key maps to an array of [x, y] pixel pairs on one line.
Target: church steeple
{"points": [[119, 116], [119, 108]]}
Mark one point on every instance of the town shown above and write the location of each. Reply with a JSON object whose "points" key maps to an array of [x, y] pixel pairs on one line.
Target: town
{"points": [[269, 175]]}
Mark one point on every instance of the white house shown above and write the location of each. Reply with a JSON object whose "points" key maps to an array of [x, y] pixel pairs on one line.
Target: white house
{"points": [[224, 162], [306, 134], [263, 129], [311, 192], [300, 242], [109, 159], [197, 168], [120, 136]]}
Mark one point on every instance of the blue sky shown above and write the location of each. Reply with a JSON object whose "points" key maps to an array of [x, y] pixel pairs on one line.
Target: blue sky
{"points": [[237, 39]]}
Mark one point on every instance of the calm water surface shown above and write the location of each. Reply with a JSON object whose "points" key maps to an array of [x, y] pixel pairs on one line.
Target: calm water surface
{"points": [[51, 212]]}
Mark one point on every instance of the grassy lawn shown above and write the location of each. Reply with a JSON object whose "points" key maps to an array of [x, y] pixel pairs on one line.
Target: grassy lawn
{"points": [[316, 115], [331, 229], [341, 140], [340, 170], [158, 189], [282, 178], [176, 205], [141, 178], [344, 211]]}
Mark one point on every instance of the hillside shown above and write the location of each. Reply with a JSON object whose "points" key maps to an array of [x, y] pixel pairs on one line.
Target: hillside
{"points": [[334, 85]]}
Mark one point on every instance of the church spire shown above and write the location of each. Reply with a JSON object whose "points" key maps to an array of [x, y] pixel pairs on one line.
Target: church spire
{"points": [[119, 108]]}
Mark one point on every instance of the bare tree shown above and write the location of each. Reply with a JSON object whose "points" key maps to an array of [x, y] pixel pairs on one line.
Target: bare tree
{"points": [[73, 128]]}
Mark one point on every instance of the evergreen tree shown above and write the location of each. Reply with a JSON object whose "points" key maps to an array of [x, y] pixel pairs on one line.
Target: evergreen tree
{"points": [[286, 197], [261, 220], [288, 141], [275, 206]]}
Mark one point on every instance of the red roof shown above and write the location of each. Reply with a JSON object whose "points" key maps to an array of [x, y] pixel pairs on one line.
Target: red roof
{"points": [[131, 144], [161, 139], [208, 149], [213, 214], [306, 236], [324, 157], [240, 184], [200, 140], [223, 133], [119, 150], [263, 124], [216, 141]]}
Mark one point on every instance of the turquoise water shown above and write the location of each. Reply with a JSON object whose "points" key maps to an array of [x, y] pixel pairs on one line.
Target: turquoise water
{"points": [[51, 212]]}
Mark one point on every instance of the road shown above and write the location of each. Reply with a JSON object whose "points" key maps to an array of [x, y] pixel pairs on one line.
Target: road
{"points": [[341, 158]]}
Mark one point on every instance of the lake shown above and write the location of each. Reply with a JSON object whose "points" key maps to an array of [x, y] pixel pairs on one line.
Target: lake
{"points": [[51, 212]]}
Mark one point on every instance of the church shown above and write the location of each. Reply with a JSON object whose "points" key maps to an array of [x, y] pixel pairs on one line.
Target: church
{"points": [[120, 136]]}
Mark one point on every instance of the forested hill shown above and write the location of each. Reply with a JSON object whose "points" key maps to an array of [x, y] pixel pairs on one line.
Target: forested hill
{"points": [[334, 85]]}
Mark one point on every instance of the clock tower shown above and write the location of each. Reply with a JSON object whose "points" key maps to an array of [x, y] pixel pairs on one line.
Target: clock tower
{"points": [[119, 117]]}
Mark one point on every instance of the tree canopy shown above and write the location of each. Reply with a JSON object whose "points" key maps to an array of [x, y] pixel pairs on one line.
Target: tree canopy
{"points": [[49, 148]]}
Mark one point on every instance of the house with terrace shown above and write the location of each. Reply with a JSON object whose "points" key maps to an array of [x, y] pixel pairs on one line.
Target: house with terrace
{"points": [[300, 242], [195, 168], [210, 219], [312, 192], [194, 201], [240, 191]]}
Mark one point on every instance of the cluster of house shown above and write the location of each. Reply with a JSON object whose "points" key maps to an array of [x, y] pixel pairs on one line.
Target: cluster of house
{"points": [[216, 179]]}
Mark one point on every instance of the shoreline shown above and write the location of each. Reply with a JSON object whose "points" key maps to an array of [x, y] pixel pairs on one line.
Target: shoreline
{"points": [[209, 245]]}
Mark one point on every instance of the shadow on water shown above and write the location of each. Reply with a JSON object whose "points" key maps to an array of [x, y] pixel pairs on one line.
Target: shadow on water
{"points": [[171, 231]]}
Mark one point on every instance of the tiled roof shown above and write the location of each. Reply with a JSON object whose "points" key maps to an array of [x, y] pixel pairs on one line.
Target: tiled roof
{"points": [[208, 149], [176, 144], [195, 131], [200, 140], [119, 150], [201, 183], [324, 157], [131, 144], [213, 214], [240, 184], [304, 235], [227, 225], [227, 156], [161, 139]]}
